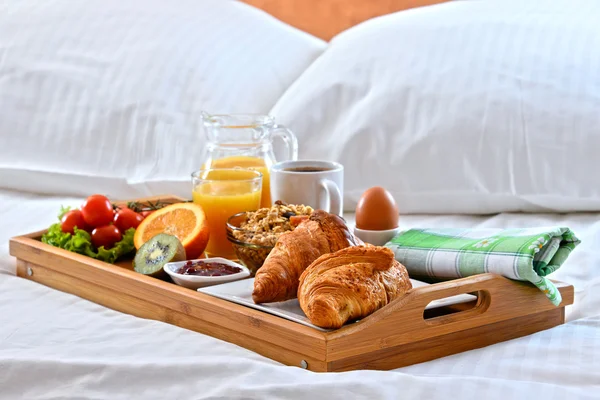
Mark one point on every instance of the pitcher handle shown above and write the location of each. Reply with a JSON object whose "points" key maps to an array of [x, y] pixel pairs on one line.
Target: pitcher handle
{"points": [[290, 140]]}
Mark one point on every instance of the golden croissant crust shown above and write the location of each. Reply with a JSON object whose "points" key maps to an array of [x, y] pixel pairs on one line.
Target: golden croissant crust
{"points": [[322, 233], [351, 284]]}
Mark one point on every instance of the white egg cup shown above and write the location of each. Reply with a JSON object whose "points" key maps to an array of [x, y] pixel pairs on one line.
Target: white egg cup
{"points": [[376, 238]]}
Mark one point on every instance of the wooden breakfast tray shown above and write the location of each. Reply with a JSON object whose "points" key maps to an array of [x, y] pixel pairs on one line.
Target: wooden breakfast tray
{"points": [[397, 335]]}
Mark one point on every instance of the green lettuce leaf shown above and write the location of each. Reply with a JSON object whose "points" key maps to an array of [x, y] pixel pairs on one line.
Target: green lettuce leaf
{"points": [[121, 248], [81, 242], [63, 211]]}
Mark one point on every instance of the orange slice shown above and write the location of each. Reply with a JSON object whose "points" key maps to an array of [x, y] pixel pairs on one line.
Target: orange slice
{"points": [[186, 221]]}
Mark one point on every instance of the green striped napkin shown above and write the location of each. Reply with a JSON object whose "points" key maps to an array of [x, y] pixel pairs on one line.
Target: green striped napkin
{"points": [[521, 254]]}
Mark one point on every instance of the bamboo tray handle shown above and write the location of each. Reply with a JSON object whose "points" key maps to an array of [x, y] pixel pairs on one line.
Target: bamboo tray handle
{"points": [[484, 291], [491, 290], [498, 299]]}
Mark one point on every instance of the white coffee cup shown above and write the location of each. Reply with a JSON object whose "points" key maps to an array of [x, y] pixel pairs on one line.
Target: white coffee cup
{"points": [[319, 184]]}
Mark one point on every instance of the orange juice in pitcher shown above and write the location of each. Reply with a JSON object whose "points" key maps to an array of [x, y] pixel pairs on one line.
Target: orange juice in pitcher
{"points": [[253, 163], [246, 141]]}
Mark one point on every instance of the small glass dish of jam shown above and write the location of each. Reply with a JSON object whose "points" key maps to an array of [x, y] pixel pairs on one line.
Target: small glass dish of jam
{"points": [[194, 274]]}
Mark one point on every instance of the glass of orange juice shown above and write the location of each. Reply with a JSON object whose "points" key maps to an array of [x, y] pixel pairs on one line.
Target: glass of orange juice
{"points": [[223, 192]]}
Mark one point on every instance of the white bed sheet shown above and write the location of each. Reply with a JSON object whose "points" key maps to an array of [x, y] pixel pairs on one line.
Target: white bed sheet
{"points": [[57, 346]]}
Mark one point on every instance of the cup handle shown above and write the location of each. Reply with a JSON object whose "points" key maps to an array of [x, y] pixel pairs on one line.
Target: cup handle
{"points": [[290, 140], [334, 196]]}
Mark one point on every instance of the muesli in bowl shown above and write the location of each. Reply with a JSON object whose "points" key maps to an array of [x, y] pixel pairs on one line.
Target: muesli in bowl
{"points": [[254, 233]]}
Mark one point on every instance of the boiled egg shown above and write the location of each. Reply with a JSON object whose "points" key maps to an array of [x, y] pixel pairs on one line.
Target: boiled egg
{"points": [[376, 210]]}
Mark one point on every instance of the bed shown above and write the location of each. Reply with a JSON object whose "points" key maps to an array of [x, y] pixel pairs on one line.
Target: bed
{"points": [[506, 139]]}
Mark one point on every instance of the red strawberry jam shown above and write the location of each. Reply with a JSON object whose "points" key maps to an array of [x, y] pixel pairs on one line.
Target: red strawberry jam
{"points": [[207, 268]]}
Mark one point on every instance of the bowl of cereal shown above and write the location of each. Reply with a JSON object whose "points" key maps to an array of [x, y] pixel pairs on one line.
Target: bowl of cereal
{"points": [[254, 233]]}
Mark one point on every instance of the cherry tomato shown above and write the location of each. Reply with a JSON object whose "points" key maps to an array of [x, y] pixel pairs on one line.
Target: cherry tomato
{"points": [[106, 236], [126, 218], [72, 219], [97, 211], [146, 213]]}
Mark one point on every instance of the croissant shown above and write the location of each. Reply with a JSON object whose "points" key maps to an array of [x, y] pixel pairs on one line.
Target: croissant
{"points": [[322, 233], [351, 284]]}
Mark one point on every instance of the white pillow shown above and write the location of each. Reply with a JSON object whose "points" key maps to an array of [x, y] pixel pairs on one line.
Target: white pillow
{"points": [[105, 95], [465, 107]]}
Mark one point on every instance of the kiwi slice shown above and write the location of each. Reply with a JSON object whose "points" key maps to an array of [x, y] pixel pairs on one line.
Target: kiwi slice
{"points": [[156, 252]]}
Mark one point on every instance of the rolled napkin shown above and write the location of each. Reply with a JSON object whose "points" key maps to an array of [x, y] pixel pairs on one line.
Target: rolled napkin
{"points": [[521, 254]]}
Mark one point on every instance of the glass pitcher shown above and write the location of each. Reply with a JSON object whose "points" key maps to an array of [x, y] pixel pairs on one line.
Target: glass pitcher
{"points": [[246, 141]]}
